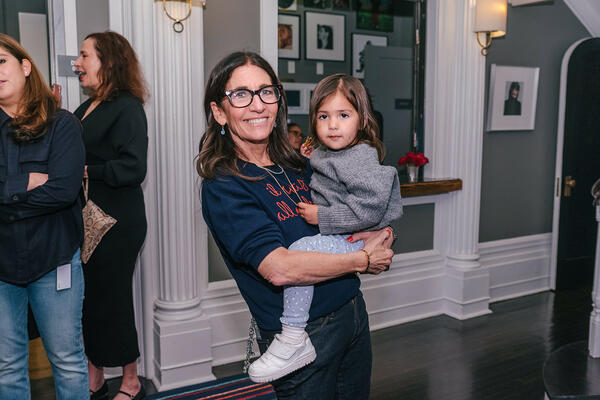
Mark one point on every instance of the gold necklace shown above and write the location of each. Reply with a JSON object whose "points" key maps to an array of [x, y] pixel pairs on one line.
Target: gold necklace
{"points": [[271, 173]]}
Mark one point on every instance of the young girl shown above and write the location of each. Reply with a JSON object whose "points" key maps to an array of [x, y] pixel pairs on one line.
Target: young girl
{"points": [[351, 192]]}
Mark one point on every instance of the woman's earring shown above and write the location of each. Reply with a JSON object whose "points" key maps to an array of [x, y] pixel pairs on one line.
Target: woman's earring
{"points": [[275, 124], [222, 130]]}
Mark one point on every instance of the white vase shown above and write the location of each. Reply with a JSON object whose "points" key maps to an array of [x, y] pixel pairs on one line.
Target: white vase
{"points": [[413, 173]]}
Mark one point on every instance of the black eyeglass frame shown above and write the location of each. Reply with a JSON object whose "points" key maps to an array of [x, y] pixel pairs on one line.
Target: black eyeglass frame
{"points": [[253, 93]]}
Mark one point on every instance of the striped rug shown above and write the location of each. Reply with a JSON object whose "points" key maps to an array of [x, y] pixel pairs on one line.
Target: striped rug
{"points": [[238, 387]]}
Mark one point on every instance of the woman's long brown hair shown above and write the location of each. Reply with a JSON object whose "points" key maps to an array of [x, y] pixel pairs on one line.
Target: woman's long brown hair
{"points": [[38, 105], [120, 69], [354, 91], [218, 153]]}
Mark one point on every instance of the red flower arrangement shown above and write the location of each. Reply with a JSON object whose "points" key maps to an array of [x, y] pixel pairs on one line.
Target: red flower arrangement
{"points": [[416, 159]]}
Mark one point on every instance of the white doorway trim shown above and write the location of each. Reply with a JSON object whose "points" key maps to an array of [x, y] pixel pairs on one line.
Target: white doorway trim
{"points": [[560, 139], [268, 31]]}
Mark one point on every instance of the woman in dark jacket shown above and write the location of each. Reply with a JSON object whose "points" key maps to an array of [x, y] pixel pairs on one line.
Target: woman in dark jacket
{"points": [[41, 229], [116, 142]]}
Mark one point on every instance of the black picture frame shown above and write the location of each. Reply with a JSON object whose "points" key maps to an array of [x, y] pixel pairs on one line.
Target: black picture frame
{"points": [[293, 21]]}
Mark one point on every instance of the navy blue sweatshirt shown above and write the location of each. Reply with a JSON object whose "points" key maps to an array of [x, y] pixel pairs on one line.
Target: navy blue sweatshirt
{"points": [[250, 219], [40, 229]]}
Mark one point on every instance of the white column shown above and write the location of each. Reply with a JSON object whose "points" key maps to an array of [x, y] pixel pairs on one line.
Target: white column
{"points": [[594, 345], [177, 335], [454, 137]]}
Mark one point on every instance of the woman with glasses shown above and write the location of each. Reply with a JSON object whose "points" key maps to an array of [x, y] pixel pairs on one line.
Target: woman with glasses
{"points": [[41, 229], [116, 142], [253, 180]]}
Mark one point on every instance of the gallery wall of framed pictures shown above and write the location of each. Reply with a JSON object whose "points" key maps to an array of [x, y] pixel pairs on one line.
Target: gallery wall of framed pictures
{"points": [[334, 33]]}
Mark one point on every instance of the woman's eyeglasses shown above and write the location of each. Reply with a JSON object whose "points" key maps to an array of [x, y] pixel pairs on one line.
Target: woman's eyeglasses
{"points": [[241, 98]]}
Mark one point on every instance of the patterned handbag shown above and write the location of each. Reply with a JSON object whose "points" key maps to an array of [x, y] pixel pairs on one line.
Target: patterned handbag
{"points": [[95, 225]]}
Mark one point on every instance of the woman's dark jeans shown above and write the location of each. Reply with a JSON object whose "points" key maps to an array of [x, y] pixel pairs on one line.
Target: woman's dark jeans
{"points": [[342, 369]]}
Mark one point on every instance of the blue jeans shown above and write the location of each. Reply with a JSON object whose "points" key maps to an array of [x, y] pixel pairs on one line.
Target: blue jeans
{"points": [[342, 369], [58, 317]]}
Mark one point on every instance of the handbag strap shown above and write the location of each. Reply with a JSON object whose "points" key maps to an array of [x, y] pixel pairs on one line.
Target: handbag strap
{"points": [[85, 188]]}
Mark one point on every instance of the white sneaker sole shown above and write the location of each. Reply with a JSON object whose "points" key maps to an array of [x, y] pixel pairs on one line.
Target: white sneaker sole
{"points": [[300, 362]]}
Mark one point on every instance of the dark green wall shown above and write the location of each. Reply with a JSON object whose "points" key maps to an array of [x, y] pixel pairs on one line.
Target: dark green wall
{"points": [[518, 166], [9, 14]]}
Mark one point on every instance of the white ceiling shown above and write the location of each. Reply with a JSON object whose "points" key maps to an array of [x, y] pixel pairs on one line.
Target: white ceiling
{"points": [[588, 12]]}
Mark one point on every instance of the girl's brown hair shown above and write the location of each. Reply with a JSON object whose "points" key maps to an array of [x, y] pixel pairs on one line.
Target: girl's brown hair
{"points": [[120, 69], [218, 153], [354, 91], [38, 105]]}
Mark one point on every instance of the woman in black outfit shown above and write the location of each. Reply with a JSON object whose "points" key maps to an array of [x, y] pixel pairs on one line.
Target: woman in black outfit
{"points": [[116, 141]]}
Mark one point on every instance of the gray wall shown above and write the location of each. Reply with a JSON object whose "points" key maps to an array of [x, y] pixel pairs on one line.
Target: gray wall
{"points": [[226, 31], [92, 16], [518, 166]]}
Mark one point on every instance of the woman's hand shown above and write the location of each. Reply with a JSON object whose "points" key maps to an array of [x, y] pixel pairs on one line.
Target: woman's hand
{"points": [[309, 212], [376, 245], [36, 179]]}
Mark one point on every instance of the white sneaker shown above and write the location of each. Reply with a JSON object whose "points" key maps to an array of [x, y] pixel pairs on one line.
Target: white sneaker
{"points": [[282, 358]]}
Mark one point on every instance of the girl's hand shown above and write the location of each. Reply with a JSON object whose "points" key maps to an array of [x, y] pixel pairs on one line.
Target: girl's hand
{"points": [[380, 255], [36, 179], [387, 243], [309, 212], [307, 148]]}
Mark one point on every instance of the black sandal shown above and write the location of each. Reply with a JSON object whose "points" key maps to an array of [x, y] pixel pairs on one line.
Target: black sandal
{"points": [[139, 396], [100, 394]]}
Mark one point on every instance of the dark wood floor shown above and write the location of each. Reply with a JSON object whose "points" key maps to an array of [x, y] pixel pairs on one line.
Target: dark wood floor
{"points": [[495, 357]]}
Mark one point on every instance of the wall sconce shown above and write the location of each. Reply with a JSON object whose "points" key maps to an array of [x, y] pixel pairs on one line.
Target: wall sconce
{"points": [[490, 20], [177, 25]]}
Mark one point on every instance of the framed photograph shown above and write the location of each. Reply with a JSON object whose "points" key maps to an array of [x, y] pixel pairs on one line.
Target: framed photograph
{"points": [[288, 36], [341, 4], [317, 3], [325, 36], [512, 98], [288, 5], [298, 96], [374, 15], [359, 41]]}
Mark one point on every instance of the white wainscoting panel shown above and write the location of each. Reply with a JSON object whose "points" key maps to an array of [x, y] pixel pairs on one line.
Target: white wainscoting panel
{"points": [[518, 266]]}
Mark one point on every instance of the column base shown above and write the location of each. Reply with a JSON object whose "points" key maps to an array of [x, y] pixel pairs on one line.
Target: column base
{"points": [[182, 353], [594, 340], [466, 293]]}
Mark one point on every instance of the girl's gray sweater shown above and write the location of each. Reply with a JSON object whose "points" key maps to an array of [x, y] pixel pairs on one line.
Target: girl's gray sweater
{"points": [[353, 191]]}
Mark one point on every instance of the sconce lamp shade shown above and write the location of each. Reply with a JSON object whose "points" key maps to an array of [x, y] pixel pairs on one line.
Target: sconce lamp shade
{"points": [[490, 17]]}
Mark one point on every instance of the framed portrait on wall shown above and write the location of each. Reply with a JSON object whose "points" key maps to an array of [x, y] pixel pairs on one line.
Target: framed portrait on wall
{"points": [[298, 96], [288, 36], [359, 41], [512, 98], [288, 5], [325, 36]]}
